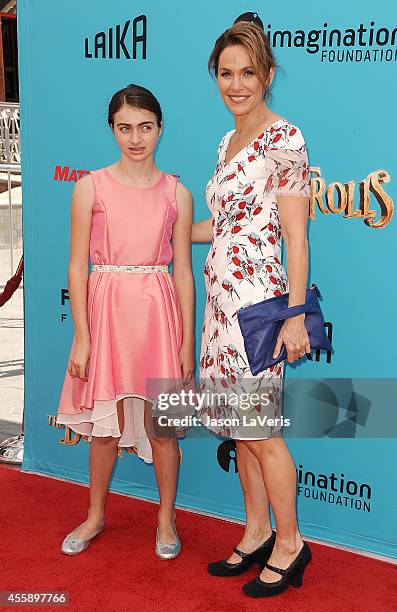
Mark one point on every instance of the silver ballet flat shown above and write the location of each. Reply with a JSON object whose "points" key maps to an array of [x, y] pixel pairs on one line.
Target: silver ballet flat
{"points": [[168, 551], [74, 546]]}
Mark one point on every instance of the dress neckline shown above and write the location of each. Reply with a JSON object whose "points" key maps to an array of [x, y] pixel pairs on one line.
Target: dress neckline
{"points": [[134, 186], [225, 146]]}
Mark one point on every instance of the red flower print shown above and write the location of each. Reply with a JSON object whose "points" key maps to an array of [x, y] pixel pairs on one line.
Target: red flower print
{"points": [[238, 274], [251, 158], [271, 240], [257, 210], [292, 132], [256, 145], [242, 205], [248, 190], [282, 182], [269, 183], [269, 268], [273, 280], [276, 138], [235, 249], [277, 292], [240, 216], [236, 229]]}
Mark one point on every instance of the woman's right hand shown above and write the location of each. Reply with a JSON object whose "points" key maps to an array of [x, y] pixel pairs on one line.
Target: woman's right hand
{"points": [[78, 364], [202, 231]]}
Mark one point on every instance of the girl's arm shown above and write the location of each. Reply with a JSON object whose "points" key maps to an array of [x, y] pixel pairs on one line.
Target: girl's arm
{"points": [[183, 277], [293, 212], [81, 217], [202, 231]]}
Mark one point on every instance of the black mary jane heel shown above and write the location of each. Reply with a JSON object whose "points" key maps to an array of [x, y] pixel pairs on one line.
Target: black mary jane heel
{"points": [[260, 555], [292, 575]]}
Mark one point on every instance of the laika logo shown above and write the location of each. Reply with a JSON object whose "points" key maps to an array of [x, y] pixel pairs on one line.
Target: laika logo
{"points": [[360, 44], [124, 41]]}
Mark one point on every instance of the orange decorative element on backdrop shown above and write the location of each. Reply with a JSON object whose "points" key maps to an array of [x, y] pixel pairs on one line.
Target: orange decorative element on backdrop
{"points": [[338, 198]]}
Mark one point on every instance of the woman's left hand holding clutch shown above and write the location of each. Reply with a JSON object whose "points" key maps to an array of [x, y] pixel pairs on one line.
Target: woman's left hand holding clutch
{"points": [[293, 334]]}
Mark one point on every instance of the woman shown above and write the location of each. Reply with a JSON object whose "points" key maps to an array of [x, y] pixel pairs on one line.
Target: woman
{"points": [[133, 321], [257, 195]]}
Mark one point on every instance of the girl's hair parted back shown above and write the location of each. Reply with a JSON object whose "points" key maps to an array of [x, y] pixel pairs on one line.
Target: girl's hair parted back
{"points": [[137, 97]]}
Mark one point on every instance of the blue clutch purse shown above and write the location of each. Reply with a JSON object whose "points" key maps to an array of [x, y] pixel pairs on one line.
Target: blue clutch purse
{"points": [[260, 325]]}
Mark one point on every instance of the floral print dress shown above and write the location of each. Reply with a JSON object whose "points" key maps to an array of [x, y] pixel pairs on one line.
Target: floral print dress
{"points": [[243, 267]]}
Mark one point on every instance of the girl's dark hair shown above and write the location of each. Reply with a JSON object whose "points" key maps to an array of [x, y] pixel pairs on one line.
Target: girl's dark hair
{"points": [[137, 97], [254, 40]]}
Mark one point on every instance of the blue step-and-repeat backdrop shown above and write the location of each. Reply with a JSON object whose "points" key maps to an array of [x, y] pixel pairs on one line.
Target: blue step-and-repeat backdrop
{"points": [[338, 83]]}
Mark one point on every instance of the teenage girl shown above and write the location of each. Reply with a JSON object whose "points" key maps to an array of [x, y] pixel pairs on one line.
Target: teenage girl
{"points": [[133, 320]]}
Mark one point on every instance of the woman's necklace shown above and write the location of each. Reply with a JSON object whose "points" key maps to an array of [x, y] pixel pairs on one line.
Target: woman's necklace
{"points": [[253, 130]]}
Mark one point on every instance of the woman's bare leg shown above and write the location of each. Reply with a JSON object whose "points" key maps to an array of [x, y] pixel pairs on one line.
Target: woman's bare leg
{"points": [[166, 456], [103, 452], [279, 476], [257, 523]]}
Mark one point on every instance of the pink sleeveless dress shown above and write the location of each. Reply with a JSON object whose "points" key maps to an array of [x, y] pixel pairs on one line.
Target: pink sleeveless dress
{"points": [[134, 318]]}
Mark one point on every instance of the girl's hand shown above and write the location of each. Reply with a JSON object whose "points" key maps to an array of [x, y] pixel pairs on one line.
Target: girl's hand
{"points": [[186, 359], [78, 364], [295, 337]]}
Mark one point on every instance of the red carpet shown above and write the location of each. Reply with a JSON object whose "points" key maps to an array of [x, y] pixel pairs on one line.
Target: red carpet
{"points": [[120, 572]]}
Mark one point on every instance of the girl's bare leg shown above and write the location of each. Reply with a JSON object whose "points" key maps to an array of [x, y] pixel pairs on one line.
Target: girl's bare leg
{"points": [[165, 452], [103, 452]]}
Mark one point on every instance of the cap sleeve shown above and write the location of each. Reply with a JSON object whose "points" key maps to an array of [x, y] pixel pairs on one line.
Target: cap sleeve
{"points": [[288, 164]]}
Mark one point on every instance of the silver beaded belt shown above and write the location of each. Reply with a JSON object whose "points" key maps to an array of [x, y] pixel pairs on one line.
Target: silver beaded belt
{"points": [[111, 268]]}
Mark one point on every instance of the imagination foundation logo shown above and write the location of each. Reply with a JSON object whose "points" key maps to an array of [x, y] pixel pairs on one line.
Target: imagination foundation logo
{"points": [[363, 43]]}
